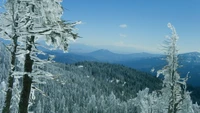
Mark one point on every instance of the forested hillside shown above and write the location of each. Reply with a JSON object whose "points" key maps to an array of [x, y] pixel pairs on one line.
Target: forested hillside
{"points": [[85, 87], [120, 79], [94, 87], [37, 76], [190, 62]]}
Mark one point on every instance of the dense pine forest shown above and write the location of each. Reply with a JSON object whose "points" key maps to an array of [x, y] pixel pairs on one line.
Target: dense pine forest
{"points": [[77, 84], [87, 87]]}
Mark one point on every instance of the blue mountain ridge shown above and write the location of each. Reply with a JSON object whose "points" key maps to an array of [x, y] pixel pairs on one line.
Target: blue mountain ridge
{"points": [[189, 62]]}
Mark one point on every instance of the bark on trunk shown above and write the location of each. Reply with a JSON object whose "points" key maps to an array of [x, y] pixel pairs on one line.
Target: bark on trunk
{"points": [[27, 80], [7, 103]]}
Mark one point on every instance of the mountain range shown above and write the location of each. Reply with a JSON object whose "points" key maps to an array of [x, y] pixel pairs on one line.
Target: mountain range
{"points": [[90, 86], [146, 62], [84, 87]]}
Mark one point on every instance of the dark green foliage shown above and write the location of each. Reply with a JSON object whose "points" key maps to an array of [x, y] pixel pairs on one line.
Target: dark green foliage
{"points": [[90, 88], [94, 87], [120, 78], [195, 93]]}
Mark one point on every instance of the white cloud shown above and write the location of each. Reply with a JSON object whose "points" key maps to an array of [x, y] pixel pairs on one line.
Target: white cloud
{"points": [[122, 35], [123, 26]]}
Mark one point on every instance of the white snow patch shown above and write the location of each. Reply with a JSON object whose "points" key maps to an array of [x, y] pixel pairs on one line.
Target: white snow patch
{"points": [[153, 69], [111, 81], [3, 85], [123, 83], [80, 66]]}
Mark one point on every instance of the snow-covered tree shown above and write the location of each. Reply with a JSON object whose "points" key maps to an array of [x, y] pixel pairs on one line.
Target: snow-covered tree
{"points": [[92, 107], [172, 90], [25, 22], [44, 23], [173, 97], [4, 66], [173, 94], [39, 107], [147, 102], [196, 108], [12, 21]]}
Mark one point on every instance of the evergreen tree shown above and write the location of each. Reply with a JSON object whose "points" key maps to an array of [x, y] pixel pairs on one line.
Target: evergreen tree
{"points": [[173, 94], [24, 22], [171, 83], [56, 32], [12, 22], [173, 97], [39, 107]]}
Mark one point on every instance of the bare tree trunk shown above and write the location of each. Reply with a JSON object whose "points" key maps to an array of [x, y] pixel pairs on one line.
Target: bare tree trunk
{"points": [[7, 103], [27, 80]]}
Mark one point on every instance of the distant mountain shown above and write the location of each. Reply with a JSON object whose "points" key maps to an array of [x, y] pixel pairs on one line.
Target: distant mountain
{"points": [[151, 63], [189, 62], [81, 48], [84, 87], [108, 56], [101, 52], [192, 57], [72, 58], [101, 55], [67, 57], [105, 55], [73, 48]]}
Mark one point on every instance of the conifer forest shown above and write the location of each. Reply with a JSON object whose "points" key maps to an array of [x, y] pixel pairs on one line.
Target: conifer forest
{"points": [[39, 73]]}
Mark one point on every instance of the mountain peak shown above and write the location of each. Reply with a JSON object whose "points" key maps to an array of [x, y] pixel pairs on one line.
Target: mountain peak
{"points": [[104, 51], [191, 54]]}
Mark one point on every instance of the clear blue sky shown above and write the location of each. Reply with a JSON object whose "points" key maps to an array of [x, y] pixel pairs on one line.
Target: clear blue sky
{"points": [[143, 23], [135, 25]]}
